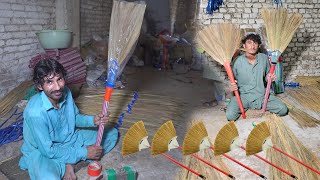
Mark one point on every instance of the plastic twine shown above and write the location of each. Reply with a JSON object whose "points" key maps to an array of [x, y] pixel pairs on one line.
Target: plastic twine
{"points": [[129, 110]]}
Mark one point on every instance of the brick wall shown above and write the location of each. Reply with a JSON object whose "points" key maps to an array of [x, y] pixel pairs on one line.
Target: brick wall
{"points": [[302, 57], [95, 19], [19, 20]]}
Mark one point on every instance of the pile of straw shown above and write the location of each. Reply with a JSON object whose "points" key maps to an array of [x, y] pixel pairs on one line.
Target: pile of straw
{"points": [[197, 165], [303, 119], [284, 139], [14, 96], [308, 96], [154, 110], [308, 80]]}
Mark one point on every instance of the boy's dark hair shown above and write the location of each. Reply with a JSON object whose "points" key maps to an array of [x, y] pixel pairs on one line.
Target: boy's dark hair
{"points": [[254, 37], [45, 68]]}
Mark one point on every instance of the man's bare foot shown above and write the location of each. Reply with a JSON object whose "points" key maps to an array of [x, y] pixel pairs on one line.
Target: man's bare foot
{"points": [[69, 174]]}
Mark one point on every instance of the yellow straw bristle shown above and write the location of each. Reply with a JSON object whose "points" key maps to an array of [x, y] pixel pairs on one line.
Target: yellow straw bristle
{"points": [[193, 138], [162, 138], [225, 138], [133, 138], [280, 27], [220, 41], [256, 138]]}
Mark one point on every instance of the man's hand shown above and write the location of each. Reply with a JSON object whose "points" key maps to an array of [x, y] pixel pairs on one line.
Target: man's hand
{"points": [[273, 77], [233, 86], [94, 152], [100, 118]]}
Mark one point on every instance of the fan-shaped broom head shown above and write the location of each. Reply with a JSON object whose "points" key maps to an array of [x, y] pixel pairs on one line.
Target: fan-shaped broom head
{"points": [[135, 139], [196, 139], [258, 139], [165, 139], [280, 28], [220, 41], [227, 139]]}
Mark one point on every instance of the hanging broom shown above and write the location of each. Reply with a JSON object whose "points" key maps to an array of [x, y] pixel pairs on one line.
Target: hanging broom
{"points": [[280, 28], [125, 25], [221, 41], [260, 139], [197, 139], [228, 139], [136, 139]]}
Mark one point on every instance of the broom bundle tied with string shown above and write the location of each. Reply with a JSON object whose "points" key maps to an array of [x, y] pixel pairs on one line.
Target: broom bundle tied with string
{"points": [[125, 25], [280, 28], [221, 41]]}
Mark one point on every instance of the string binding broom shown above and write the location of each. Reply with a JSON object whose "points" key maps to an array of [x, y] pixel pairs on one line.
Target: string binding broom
{"points": [[221, 41], [197, 139], [280, 28], [136, 139], [122, 40], [259, 139]]}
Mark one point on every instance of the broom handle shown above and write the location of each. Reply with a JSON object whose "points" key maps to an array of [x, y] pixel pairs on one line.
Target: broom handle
{"points": [[236, 92], [255, 172], [105, 108], [213, 166], [265, 160], [311, 168], [266, 96], [180, 164]]}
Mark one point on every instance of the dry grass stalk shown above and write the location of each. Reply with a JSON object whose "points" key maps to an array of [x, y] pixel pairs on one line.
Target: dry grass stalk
{"points": [[280, 27], [284, 139], [13, 97], [199, 166], [308, 96], [303, 119], [220, 41], [308, 80]]}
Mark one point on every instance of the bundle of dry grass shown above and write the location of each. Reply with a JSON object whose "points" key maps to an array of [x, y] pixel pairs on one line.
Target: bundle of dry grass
{"points": [[13, 97], [308, 80], [284, 139], [308, 96], [303, 119]]}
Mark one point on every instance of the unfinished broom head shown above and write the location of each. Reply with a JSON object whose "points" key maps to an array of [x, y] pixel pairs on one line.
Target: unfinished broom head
{"points": [[135, 139], [259, 139], [165, 139], [280, 28], [196, 139], [220, 41], [227, 139]]}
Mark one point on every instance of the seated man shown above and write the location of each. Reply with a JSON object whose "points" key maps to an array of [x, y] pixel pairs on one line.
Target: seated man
{"points": [[52, 142], [251, 71]]}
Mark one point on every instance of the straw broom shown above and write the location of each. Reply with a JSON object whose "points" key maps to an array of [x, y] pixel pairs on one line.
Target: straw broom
{"points": [[221, 41], [285, 139], [125, 25], [259, 139], [280, 28]]}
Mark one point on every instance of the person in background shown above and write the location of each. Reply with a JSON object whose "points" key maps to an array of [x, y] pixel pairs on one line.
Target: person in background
{"points": [[251, 71], [53, 139]]}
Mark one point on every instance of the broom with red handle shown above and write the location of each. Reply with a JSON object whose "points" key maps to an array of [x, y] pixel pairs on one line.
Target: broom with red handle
{"points": [[221, 41]]}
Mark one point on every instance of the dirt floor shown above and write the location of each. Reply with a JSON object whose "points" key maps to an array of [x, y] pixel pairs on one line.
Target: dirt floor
{"points": [[180, 98]]}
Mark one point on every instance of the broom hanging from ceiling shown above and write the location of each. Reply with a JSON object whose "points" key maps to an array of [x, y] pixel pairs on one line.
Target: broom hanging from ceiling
{"points": [[221, 41], [125, 25], [280, 28]]}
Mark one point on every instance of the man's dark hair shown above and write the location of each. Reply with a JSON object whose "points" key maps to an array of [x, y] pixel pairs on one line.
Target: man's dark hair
{"points": [[45, 68], [254, 37]]}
